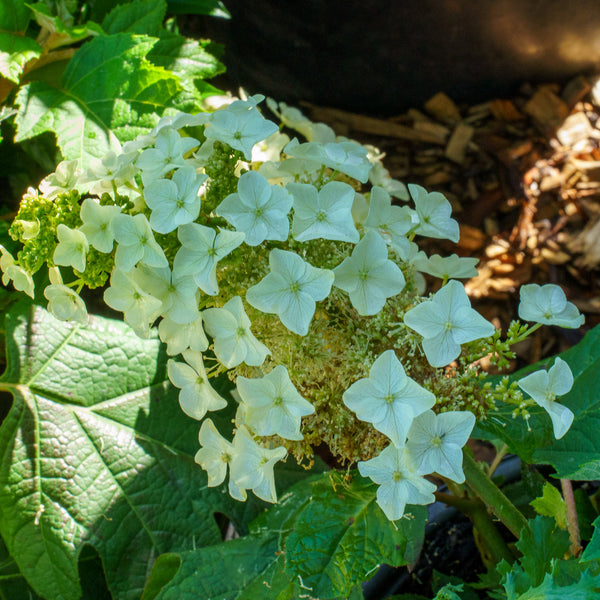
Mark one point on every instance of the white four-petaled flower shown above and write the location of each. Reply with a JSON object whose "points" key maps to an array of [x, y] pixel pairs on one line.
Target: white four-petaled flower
{"points": [[291, 290], [201, 250], [435, 442], [72, 248], [545, 386], [547, 304], [272, 405], [445, 322], [252, 467], [234, 342], [434, 214], [174, 201], [324, 213], [388, 398], [259, 209], [197, 396], [399, 483], [369, 276]]}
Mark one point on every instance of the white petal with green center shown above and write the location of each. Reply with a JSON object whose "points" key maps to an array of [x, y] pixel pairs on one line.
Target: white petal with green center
{"points": [[181, 337], [388, 398], [215, 453], [272, 405], [391, 222], [259, 209], [434, 214], [202, 249], [252, 466], [445, 322], [435, 442], [136, 243], [548, 305], [324, 213], [446, 267], [174, 201], [369, 276], [72, 248], [197, 396], [399, 484], [98, 224], [291, 290], [234, 342], [545, 386]]}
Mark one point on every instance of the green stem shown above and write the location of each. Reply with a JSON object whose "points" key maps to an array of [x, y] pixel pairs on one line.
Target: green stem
{"points": [[477, 513], [492, 497], [526, 333]]}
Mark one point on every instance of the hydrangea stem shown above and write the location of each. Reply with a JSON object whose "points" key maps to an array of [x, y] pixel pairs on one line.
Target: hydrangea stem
{"points": [[477, 513], [572, 521], [492, 496]]}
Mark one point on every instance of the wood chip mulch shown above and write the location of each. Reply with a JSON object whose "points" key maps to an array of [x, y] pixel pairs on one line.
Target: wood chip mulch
{"points": [[523, 176]]}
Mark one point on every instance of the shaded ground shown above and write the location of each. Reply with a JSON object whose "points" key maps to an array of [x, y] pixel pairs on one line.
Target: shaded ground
{"points": [[523, 176]]}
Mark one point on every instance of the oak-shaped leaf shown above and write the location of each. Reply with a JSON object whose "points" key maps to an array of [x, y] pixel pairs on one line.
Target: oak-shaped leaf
{"points": [[96, 451]]}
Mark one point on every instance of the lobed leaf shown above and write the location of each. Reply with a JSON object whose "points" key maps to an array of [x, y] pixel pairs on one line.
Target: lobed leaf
{"points": [[342, 536], [109, 93], [96, 450], [15, 52], [144, 17]]}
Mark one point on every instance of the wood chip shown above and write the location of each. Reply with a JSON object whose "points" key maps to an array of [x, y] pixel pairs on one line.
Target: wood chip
{"points": [[456, 150], [372, 125], [505, 110], [548, 110], [576, 90], [575, 128], [443, 108]]}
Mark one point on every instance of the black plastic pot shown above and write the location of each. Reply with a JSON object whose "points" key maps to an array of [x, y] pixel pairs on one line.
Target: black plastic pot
{"points": [[443, 522], [382, 56]]}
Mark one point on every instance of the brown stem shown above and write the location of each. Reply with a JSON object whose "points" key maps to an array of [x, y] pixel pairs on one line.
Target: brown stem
{"points": [[572, 521]]}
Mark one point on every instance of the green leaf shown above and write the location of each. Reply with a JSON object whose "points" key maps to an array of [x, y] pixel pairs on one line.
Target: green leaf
{"points": [[109, 92], [551, 504], [592, 551], [214, 8], [58, 34], [540, 543], [15, 52], [12, 583], [245, 568], [14, 15], [96, 450], [577, 454], [587, 588], [342, 536], [188, 59], [144, 17], [192, 61]]}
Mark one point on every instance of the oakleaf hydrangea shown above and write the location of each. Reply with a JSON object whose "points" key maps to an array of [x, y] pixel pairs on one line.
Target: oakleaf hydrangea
{"points": [[285, 268]]}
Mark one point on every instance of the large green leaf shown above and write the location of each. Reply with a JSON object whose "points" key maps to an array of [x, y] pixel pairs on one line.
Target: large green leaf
{"points": [[144, 17], [577, 454], [95, 450], [342, 536], [14, 15], [109, 92], [15, 52]]}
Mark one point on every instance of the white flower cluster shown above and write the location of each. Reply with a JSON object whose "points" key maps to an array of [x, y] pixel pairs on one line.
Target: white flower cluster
{"points": [[288, 192]]}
